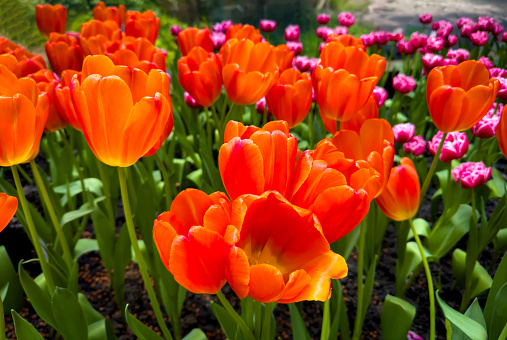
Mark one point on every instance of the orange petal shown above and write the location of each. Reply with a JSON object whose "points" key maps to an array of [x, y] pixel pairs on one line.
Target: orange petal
{"points": [[266, 283], [8, 207], [238, 272]]}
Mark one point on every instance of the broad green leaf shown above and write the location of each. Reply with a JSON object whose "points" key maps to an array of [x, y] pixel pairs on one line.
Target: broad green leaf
{"points": [[499, 280], [142, 331], [8, 277], [121, 260], [226, 321], [74, 215], [481, 281], [91, 315], [396, 318], [499, 315], [470, 327], [85, 245], [422, 227], [69, 315], [105, 232], [195, 334], [299, 330], [474, 312], [93, 185], [101, 330], [24, 331]]}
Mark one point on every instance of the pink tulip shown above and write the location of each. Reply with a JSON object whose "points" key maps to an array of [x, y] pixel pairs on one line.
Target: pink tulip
{"points": [[218, 39], [403, 132], [479, 38], [405, 47], [323, 18], [455, 145], [404, 84], [465, 21], [292, 33], [346, 19], [487, 62], [467, 30], [261, 106], [416, 146], [460, 54], [488, 124], [175, 30], [267, 26], [380, 95], [295, 46], [435, 44], [425, 18], [471, 174], [190, 101]]}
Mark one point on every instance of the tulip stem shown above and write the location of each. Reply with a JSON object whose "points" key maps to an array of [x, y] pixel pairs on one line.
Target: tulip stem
{"points": [[470, 256], [268, 312], [139, 255], [208, 128], [52, 214], [33, 231], [107, 192], [217, 123], [241, 323], [2, 320], [25, 175], [227, 117], [428, 278], [433, 167], [165, 177], [360, 293]]}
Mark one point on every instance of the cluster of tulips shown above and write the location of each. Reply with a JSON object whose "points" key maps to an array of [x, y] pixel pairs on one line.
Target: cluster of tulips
{"points": [[246, 184]]}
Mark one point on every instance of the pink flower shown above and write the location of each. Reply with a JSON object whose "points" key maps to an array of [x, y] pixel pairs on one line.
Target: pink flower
{"points": [[444, 28], [425, 18], [395, 36], [190, 101], [467, 30], [405, 47], [368, 39], [222, 26], [380, 95], [295, 46], [488, 124], [323, 18], [321, 46], [418, 40], [497, 29], [460, 54], [403, 132], [431, 61], [496, 72], [267, 26], [455, 145], [339, 30], [435, 44], [484, 23], [292, 33], [218, 39], [313, 63], [502, 93], [175, 30], [471, 174], [323, 32], [346, 19], [302, 63], [448, 62], [504, 37], [261, 105], [479, 38], [488, 63], [381, 38], [451, 40], [416, 146], [464, 21], [404, 84]]}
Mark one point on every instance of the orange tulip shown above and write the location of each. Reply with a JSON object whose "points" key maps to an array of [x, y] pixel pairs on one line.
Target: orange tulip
{"points": [[401, 196], [21, 65], [346, 40], [291, 98], [192, 37], [23, 114], [102, 12], [57, 119], [281, 254], [64, 53], [255, 160], [249, 70], [122, 111], [459, 96], [142, 25], [193, 240], [50, 19], [200, 74], [246, 31], [345, 79], [95, 36], [138, 53], [284, 57], [64, 99], [501, 132], [372, 147], [8, 207]]}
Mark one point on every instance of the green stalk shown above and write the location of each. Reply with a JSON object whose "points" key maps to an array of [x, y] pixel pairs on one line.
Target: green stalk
{"points": [[433, 167], [139, 255], [268, 311], [310, 127], [25, 176], [471, 255], [2, 321], [54, 219], [429, 279], [217, 123], [107, 191], [241, 323], [358, 324], [33, 231], [227, 117], [208, 128], [165, 177]]}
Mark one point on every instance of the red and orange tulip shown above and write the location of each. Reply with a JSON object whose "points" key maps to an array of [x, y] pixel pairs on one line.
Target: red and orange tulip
{"points": [[194, 239], [23, 115], [64, 53], [249, 70], [459, 96], [246, 31], [347, 71], [95, 36], [401, 196], [50, 19], [284, 57], [346, 40], [200, 74], [64, 99], [142, 25], [192, 37], [8, 207], [291, 98], [501, 132], [122, 111], [102, 12], [56, 119], [267, 266], [138, 53]]}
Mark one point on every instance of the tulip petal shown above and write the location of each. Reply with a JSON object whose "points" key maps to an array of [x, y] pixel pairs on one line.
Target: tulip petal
{"points": [[266, 283]]}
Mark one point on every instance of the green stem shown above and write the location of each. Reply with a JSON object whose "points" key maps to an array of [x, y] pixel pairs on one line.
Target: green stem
{"points": [[241, 323], [217, 123], [33, 231], [2, 321], [429, 279], [268, 312], [433, 167], [107, 191], [54, 219], [360, 287], [208, 129], [165, 177], [227, 117], [470, 256], [139, 255], [25, 175]]}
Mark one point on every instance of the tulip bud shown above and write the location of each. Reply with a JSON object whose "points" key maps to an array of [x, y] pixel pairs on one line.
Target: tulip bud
{"points": [[292, 33], [267, 26], [403, 132], [455, 145], [416, 146], [425, 18], [404, 84], [175, 30], [380, 95], [190, 101], [323, 18], [471, 174], [488, 124], [488, 63], [346, 19]]}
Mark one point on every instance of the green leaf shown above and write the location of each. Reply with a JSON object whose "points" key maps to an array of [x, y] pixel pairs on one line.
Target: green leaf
{"points": [[499, 315], [422, 227], [481, 281], [106, 236], [474, 312], [299, 330], [74, 215], [496, 184], [470, 327], [91, 315], [24, 331], [40, 299], [85, 245], [14, 296], [140, 330], [69, 315], [226, 321], [121, 260], [396, 327], [101, 330], [499, 280], [196, 334], [93, 185]]}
